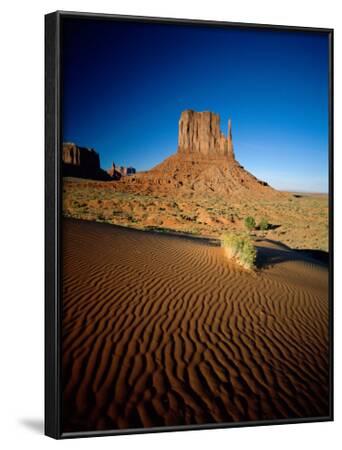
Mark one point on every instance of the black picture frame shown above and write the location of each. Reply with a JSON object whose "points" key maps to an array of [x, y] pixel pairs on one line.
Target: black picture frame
{"points": [[53, 211]]}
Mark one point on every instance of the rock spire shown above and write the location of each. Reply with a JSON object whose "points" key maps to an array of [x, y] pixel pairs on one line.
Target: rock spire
{"points": [[230, 147]]}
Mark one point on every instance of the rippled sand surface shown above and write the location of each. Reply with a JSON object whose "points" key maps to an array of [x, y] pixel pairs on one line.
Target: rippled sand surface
{"points": [[164, 330]]}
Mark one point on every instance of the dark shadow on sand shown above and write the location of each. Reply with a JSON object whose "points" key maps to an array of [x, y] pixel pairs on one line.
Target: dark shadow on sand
{"points": [[270, 226], [268, 257]]}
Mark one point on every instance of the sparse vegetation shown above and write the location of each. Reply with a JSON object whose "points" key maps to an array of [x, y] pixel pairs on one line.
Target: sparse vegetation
{"points": [[264, 225], [241, 248], [250, 223], [207, 215]]}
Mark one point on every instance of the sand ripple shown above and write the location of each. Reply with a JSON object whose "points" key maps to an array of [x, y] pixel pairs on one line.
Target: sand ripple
{"points": [[163, 330]]}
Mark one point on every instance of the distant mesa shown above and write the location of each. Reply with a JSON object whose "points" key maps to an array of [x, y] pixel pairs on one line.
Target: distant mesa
{"points": [[80, 156], [116, 172], [82, 162], [126, 171]]}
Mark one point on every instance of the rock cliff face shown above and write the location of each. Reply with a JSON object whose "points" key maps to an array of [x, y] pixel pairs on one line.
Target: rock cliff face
{"points": [[200, 136], [81, 162], [80, 156], [230, 147]]}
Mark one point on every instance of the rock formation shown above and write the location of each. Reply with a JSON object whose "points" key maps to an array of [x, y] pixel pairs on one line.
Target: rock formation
{"points": [[230, 147], [80, 156], [116, 172], [113, 172], [129, 170], [82, 162], [200, 137], [204, 163]]}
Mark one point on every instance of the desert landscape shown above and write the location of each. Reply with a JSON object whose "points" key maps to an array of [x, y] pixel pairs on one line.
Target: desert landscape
{"points": [[193, 293], [201, 190]]}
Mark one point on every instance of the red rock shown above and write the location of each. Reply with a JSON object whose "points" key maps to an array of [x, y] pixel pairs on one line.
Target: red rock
{"points": [[200, 137], [81, 162], [204, 163]]}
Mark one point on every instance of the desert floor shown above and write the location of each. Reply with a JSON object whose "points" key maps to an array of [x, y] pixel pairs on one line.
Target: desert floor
{"points": [[164, 330], [296, 219]]}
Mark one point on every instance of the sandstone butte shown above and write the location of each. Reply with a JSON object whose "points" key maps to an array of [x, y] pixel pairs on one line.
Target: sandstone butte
{"points": [[204, 163]]}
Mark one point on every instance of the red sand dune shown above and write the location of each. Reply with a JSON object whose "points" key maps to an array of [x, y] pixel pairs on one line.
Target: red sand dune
{"points": [[164, 330]]}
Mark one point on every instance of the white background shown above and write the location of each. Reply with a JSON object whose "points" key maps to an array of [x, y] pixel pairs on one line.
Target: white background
{"points": [[22, 230]]}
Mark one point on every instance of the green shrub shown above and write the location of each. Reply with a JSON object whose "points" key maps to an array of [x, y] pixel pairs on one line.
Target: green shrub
{"points": [[241, 248], [250, 223], [264, 225]]}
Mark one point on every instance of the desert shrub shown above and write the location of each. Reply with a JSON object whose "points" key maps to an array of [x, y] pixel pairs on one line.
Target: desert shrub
{"points": [[250, 223], [241, 248], [190, 218], [132, 218], [264, 225]]}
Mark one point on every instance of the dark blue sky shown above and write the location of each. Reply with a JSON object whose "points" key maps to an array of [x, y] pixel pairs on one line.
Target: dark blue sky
{"points": [[126, 84]]}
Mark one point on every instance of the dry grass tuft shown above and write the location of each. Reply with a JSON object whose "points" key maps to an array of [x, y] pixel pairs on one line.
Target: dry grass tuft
{"points": [[240, 247]]}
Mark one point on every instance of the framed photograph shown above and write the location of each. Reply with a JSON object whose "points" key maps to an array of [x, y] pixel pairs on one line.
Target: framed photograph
{"points": [[189, 224]]}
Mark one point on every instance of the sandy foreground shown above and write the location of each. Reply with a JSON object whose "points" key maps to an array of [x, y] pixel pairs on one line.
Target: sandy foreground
{"points": [[164, 330]]}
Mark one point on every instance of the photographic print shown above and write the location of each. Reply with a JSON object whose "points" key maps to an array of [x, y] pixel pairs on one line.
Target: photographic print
{"points": [[195, 244]]}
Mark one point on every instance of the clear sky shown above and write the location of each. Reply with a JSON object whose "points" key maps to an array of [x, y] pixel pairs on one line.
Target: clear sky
{"points": [[126, 84]]}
